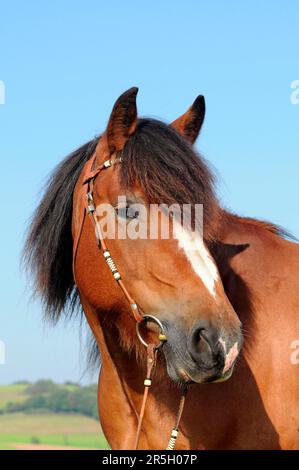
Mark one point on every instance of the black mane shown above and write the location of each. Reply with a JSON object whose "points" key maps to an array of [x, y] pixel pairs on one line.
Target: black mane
{"points": [[48, 248]]}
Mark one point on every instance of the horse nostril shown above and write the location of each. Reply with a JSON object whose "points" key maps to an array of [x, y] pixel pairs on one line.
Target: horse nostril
{"points": [[200, 340], [204, 345]]}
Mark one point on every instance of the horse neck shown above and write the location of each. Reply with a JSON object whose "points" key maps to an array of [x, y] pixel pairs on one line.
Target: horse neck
{"points": [[243, 245]]}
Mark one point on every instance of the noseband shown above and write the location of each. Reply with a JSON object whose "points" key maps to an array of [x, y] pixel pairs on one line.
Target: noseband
{"points": [[90, 173]]}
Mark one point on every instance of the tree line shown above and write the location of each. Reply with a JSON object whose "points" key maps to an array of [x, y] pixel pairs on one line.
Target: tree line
{"points": [[47, 396]]}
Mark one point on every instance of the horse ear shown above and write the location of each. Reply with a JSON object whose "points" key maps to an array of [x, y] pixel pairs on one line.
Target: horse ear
{"points": [[123, 120], [190, 123]]}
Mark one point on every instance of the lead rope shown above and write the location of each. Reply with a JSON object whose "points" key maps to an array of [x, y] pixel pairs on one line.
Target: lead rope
{"points": [[151, 348], [175, 430], [151, 361]]}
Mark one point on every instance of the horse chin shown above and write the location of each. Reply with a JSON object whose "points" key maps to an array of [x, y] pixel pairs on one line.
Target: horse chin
{"points": [[225, 376], [183, 377]]}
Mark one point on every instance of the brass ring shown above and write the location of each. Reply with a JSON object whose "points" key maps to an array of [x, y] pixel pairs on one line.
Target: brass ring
{"points": [[162, 336]]}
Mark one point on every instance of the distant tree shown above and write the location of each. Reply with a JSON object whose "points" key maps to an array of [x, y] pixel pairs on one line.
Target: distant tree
{"points": [[41, 386], [36, 402], [59, 401], [73, 384], [85, 401]]}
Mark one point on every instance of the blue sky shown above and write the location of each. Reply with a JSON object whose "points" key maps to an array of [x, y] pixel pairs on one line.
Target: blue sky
{"points": [[65, 62]]}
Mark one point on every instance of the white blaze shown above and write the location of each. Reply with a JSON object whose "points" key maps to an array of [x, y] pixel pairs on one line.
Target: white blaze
{"points": [[197, 254]]}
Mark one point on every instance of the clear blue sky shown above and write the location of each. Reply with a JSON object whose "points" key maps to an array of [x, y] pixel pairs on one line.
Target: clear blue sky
{"points": [[65, 62]]}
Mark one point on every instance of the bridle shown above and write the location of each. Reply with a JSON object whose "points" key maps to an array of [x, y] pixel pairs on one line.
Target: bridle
{"points": [[90, 173]]}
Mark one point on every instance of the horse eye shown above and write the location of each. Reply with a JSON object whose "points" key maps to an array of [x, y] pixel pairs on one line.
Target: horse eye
{"points": [[127, 212]]}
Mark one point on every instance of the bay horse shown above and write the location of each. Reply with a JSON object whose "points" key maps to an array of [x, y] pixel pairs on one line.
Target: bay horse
{"points": [[203, 292]]}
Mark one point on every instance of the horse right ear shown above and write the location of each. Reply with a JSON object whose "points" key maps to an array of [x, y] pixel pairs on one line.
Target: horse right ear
{"points": [[122, 122], [190, 123]]}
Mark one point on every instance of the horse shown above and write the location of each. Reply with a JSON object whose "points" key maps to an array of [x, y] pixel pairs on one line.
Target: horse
{"points": [[217, 305]]}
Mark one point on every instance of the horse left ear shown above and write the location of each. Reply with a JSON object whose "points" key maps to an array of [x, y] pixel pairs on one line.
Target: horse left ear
{"points": [[123, 120], [190, 123]]}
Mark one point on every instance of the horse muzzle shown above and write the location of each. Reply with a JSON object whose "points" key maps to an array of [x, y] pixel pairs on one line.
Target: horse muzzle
{"points": [[203, 356]]}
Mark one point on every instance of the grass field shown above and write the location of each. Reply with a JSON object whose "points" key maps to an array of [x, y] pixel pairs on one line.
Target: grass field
{"points": [[52, 429], [18, 430]]}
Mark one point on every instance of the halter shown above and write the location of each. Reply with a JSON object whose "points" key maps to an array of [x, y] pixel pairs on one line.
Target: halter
{"points": [[90, 173]]}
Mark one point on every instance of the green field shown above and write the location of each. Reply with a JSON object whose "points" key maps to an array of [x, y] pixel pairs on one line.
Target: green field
{"points": [[18, 430], [52, 429]]}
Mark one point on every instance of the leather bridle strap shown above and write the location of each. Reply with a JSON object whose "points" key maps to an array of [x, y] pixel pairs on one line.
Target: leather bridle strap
{"points": [[175, 429], [151, 362], [82, 214], [89, 175], [90, 172]]}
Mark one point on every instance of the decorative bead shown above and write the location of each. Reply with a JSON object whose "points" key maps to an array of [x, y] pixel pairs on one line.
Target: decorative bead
{"points": [[116, 276], [107, 163], [172, 440], [90, 204], [147, 382], [171, 444], [111, 264], [106, 254]]}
